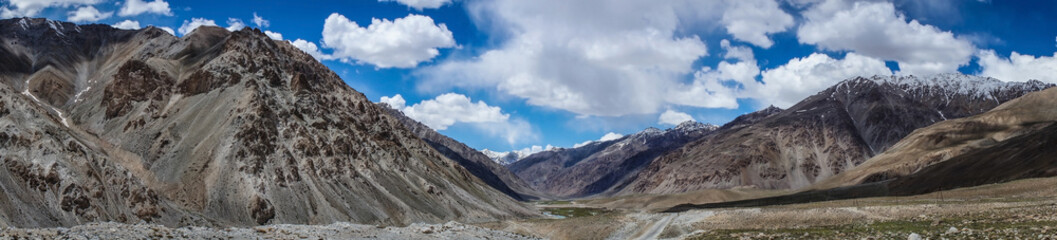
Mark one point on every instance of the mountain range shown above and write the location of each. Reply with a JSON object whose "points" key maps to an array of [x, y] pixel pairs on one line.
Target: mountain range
{"points": [[819, 137], [602, 166]]}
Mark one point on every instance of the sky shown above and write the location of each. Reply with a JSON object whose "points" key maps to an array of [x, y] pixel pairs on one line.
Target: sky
{"points": [[531, 74]]}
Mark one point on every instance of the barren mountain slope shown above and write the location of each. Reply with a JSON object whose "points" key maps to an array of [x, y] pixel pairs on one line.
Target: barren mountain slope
{"points": [[602, 167], [1015, 128], [233, 127], [825, 134], [497, 176]]}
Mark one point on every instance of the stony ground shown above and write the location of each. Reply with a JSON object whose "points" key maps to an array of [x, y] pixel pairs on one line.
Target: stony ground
{"points": [[451, 230], [1025, 209]]}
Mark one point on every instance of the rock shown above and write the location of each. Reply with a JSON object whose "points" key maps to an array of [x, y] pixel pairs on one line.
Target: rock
{"points": [[952, 230], [914, 236]]}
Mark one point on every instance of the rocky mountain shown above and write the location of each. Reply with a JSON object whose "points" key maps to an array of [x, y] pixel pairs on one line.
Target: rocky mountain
{"points": [[603, 166], [213, 128], [825, 134], [478, 163], [1011, 142], [1014, 140]]}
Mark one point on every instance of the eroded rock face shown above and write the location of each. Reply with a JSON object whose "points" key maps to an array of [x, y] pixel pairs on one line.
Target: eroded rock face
{"points": [[216, 128], [825, 134]]}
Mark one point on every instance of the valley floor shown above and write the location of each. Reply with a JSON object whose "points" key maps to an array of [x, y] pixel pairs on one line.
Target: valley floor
{"points": [[1025, 209]]}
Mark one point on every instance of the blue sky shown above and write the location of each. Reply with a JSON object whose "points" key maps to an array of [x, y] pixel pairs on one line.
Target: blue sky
{"points": [[512, 74]]}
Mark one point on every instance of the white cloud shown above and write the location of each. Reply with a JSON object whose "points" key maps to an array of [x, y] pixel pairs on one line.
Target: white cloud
{"points": [[619, 59], [420, 4], [235, 24], [127, 25], [716, 88], [274, 35], [401, 43], [450, 108], [802, 77], [189, 26], [169, 30], [137, 7], [311, 49], [260, 21], [30, 8], [447, 109], [1018, 67], [877, 30], [752, 20], [396, 101], [87, 14], [672, 117]]}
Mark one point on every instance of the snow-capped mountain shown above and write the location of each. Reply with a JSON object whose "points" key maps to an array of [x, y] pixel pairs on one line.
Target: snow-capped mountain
{"points": [[507, 158], [599, 167], [825, 134]]}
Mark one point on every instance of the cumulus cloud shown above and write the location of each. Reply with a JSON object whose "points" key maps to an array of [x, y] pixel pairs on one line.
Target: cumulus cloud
{"points": [[235, 24], [420, 4], [189, 26], [127, 25], [802, 77], [877, 30], [87, 14], [447, 109], [752, 20], [30, 8], [717, 88], [450, 108], [1018, 67], [137, 7], [312, 49], [274, 35], [618, 60], [627, 57], [168, 30], [395, 102], [672, 117], [260, 21], [400, 43]]}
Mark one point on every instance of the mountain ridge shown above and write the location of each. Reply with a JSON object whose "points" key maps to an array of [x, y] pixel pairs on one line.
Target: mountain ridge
{"points": [[214, 128], [824, 134]]}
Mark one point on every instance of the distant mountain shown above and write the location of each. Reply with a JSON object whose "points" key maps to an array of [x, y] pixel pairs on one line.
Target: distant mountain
{"points": [[601, 167], [478, 163], [1012, 141], [825, 134], [214, 128], [507, 158]]}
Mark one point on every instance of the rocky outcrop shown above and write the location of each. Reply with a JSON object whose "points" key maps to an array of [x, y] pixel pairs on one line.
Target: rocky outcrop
{"points": [[214, 128], [825, 134], [602, 167]]}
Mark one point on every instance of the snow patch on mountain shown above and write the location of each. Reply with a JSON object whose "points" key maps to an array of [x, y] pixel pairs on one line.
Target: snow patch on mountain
{"points": [[507, 158]]}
